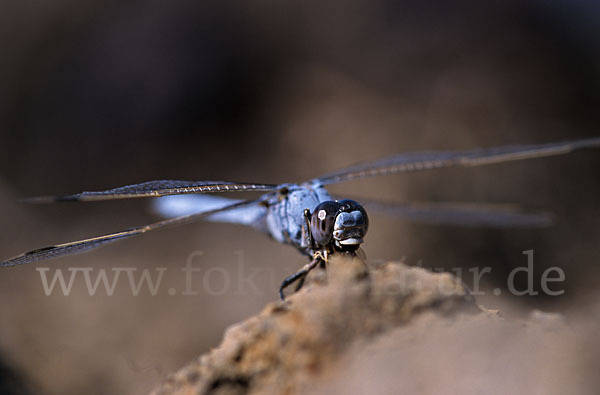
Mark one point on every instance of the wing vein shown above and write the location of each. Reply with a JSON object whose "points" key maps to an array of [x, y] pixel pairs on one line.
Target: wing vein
{"points": [[85, 245], [410, 162], [156, 189]]}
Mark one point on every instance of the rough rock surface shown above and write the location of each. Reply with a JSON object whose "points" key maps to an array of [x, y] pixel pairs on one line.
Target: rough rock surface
{"points": [[392, 329], [290, 346]]}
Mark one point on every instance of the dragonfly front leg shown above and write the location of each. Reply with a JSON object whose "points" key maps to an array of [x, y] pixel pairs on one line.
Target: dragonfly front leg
{"points": [[322, 258], [307, 234], [300, 274], [300, 284]]}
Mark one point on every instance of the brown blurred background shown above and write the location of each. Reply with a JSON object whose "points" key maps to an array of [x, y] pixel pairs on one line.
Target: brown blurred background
{"points": [[96, 95]]}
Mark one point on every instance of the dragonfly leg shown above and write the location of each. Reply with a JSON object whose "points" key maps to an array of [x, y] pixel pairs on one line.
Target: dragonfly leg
{"points": [[300, 283], [311, 241], [300, 274]]}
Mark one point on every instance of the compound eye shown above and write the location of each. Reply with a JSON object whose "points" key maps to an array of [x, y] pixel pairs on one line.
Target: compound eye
{"points": [[362, 219], [322, 222]]}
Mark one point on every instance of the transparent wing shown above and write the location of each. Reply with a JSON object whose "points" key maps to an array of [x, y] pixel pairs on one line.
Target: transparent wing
{"points": [[461, 214], [80, 246], [476, 157], [180, 205], [155, 189]]}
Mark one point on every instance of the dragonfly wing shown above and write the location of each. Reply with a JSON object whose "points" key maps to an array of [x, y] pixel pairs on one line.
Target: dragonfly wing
{"points": [[462, 214], [180, 205], [432, 160], [80, 246], [156, 189]]}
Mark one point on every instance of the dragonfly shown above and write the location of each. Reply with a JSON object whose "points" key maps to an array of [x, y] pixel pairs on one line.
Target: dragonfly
{"points": [[305, 215]]}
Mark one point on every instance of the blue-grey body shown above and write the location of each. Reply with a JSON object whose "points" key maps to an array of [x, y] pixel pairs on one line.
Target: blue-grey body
{"points": [[278, 214]]}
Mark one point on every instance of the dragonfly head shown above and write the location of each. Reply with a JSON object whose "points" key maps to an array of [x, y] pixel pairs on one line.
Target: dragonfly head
{"points": [[341, 223]]}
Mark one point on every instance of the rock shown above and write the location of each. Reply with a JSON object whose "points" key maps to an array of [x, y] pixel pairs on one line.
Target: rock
{"points": [[388, 329], [291, 346]]}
